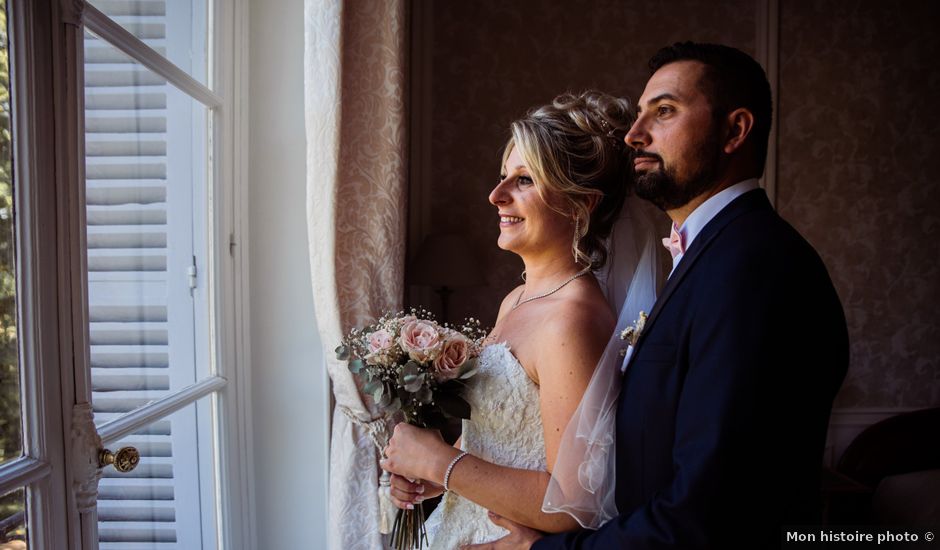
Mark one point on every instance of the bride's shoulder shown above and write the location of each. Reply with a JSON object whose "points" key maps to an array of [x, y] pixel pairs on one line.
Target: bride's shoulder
{"points": [[580, 316], [569, 339], [508, 301]]}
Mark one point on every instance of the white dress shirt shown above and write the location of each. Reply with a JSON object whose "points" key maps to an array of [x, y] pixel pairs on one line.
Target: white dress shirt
{"points": [[700, 217]]}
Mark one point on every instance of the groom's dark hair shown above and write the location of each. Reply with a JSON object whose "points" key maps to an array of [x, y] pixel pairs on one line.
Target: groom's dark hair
{"points": [[732, 80]]}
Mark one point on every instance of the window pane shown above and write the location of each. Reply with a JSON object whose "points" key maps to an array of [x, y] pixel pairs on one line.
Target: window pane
{"points": [[13, 521], [168, 500], [11, 442], [177, 29], [146, 170]]}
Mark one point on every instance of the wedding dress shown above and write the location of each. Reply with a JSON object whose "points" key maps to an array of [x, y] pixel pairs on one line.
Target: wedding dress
{"points": [[505, 428]]}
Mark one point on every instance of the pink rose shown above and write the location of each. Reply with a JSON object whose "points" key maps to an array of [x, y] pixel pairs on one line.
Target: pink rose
{"points": [[381, 340], [421, 340], [453, 355]]}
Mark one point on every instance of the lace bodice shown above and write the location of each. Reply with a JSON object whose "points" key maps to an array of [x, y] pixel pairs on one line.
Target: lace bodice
{"points": [[505, 428]]}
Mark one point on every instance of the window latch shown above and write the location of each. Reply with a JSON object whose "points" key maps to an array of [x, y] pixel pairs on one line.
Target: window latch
{"points": [[191, 272]]}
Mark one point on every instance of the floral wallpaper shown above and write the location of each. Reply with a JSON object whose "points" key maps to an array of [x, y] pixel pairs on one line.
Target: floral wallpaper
{"points": [[859, 177], [858, 160]]}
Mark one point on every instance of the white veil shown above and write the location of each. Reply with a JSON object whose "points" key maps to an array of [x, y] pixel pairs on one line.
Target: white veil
{"points": [[582, 482]]}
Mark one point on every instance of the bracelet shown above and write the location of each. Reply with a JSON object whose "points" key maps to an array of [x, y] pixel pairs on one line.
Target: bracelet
{"points": [[450, 468]]}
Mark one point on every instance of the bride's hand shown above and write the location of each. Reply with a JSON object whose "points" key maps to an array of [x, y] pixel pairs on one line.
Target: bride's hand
{"points": [[407, 495], [417, 453]]}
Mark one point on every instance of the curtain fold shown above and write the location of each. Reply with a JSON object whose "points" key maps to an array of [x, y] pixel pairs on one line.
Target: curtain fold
{"points": [[354, 79]]}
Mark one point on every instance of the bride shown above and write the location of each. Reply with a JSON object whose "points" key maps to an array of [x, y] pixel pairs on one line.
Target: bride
{"points": [[565, 175]]}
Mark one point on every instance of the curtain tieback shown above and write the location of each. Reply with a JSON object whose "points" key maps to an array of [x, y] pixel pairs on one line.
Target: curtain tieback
{"points": [[377, 427], [378, 431]]}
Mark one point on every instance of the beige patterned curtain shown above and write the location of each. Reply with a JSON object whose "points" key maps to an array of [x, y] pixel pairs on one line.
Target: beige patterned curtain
{"points": [[354, 80]]}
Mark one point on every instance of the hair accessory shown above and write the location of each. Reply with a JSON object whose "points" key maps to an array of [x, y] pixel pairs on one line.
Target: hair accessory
{"points": [[606, 126], [450, 468]]}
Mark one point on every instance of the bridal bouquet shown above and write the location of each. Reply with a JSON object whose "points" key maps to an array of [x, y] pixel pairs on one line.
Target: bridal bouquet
{"points": [[414, 369]]}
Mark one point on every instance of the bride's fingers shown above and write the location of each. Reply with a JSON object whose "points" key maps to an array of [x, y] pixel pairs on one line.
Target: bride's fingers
{"points": [[406, 496], [401, 494], [405, 485], [402, 504]]}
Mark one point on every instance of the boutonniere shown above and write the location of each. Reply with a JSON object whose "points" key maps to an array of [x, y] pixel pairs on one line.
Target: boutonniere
{"points": [[631, 334]]}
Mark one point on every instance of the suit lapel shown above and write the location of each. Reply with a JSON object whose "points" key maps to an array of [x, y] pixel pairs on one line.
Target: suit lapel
{"points": [[752, 200]]}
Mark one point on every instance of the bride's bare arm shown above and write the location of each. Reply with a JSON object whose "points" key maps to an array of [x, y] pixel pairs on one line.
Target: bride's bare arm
{"points": [[569, 345]]}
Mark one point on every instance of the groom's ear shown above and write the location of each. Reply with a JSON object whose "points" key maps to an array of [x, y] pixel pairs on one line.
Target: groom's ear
{"points": [[740, 124]]}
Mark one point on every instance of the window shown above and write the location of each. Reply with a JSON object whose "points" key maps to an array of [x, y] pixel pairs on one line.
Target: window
{"points": [[131, 270], [146, 172], [12, 504]]}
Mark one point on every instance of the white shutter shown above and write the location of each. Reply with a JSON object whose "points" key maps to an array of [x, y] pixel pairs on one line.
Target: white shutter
{"points": [[145, 168]]}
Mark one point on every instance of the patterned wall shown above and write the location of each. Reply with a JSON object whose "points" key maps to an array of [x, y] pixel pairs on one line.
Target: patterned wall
{"points": [[493, 60], [858, 160], [859, 171]]}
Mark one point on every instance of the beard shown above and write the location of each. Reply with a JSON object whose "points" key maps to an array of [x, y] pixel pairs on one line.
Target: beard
{"points": [[663, 186]]}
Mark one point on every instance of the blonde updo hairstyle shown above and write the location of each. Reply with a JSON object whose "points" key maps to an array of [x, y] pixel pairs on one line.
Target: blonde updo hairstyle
{"points": [[574, 150]]}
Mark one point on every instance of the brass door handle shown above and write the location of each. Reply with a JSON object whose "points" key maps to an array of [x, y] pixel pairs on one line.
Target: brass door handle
{"points": [[125, 460]]}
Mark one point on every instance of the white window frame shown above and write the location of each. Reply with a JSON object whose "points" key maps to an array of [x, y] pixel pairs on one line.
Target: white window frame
{"points": [[229, 268], [230, 73], [49, 170], [41, 299]]}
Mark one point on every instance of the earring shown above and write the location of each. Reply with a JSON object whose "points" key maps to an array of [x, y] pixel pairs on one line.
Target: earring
{"points": [[577, 238]]}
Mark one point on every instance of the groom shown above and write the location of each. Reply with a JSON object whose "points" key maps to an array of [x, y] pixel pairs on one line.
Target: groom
{"points": [[724, 407]]}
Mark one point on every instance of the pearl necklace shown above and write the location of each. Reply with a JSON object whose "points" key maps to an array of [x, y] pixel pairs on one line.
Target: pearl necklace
{"points": [[520, 301]]}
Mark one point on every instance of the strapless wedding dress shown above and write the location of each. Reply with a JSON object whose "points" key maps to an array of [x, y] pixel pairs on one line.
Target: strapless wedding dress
{"points": [[505, 428]]}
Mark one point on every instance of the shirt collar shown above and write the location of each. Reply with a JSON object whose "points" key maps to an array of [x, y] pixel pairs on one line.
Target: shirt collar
{"points": [[700, 217]]}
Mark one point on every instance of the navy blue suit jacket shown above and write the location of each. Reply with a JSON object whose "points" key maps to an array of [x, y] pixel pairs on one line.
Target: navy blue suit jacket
{"points": [[724, 408]]}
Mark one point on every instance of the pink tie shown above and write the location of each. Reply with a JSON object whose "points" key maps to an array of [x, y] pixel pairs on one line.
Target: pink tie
{"points": [[674, 243]]}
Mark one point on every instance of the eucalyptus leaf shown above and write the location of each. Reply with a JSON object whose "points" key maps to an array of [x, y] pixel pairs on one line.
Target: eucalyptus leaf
{"points": [[371, 386], [411, 368], [411, 378], [424, 395], [402, 394], [415, 383], [469, 374], [468, 369], [385, 397], [342, 353], [356, 366]]}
